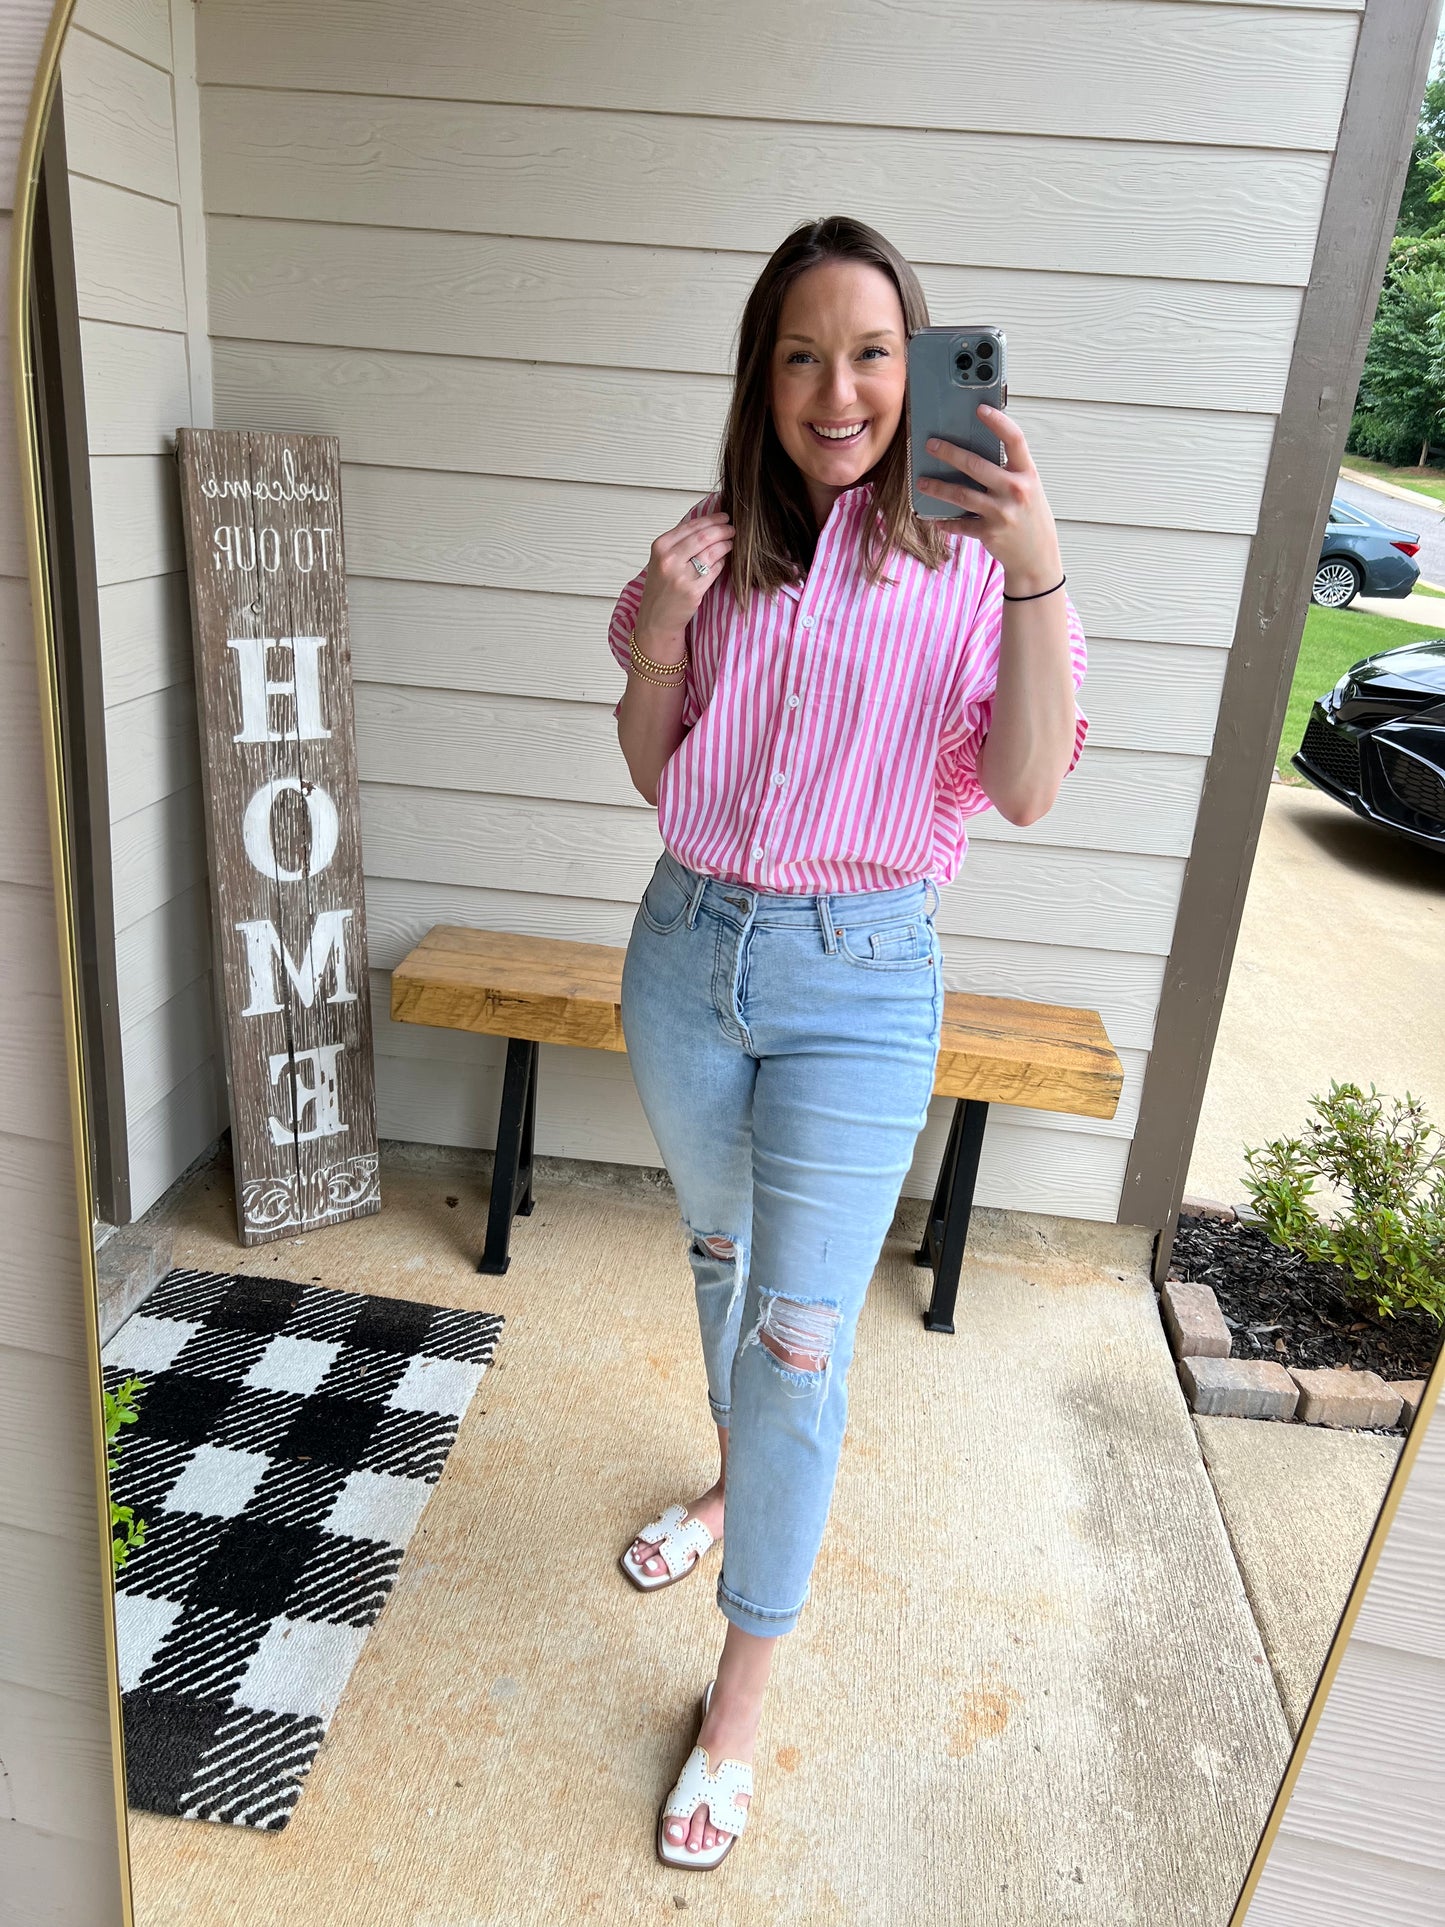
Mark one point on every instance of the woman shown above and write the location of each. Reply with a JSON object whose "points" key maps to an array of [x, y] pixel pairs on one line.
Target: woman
{"points": [[822, 686]]}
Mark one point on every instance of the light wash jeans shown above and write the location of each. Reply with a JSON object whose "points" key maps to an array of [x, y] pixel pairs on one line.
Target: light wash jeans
{"points": [[783, 1047]]}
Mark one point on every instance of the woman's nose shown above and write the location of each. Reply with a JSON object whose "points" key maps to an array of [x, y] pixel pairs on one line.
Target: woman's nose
{"points": [[838, 385]]}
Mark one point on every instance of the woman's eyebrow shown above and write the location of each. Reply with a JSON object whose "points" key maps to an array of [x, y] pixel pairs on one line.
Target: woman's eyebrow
{"points": [[869, 334]]}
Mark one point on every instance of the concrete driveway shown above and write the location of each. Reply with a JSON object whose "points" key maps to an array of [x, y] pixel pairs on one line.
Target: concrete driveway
{"points": [[1336, 974], [1409, 608]]}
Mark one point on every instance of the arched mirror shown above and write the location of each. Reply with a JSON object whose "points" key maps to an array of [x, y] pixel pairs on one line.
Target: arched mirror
{"points": [[390, 423]]}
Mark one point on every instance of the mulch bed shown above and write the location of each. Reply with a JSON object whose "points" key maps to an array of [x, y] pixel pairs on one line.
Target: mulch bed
{"points": [[1282, 1307]]}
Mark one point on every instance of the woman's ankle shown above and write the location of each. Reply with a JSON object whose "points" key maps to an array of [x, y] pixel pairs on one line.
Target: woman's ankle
{"points": [[731, 1725]]}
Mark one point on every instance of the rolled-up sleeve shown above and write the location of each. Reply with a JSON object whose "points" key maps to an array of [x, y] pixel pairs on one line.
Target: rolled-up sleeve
{"points": [[969, 713], [624, 615]]}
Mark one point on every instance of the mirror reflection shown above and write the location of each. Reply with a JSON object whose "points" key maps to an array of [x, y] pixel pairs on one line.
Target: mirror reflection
{"points": [[644, 610]]}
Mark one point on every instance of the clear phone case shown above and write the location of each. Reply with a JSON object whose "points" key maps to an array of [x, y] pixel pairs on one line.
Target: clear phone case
{"points": [[950, 371]]}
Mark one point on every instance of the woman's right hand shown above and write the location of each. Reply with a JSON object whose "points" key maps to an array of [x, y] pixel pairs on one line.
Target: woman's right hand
{"points": [[673, 589]]}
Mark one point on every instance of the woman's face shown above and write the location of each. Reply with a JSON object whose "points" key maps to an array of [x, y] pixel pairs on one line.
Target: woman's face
{"points": [[838, 374]]}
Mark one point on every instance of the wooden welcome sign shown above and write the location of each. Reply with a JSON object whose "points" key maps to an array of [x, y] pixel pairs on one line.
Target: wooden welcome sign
{"points": [[278, 759]]}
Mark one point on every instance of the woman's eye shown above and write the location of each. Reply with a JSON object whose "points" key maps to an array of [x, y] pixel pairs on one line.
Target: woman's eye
{"points": [[802, 354]]}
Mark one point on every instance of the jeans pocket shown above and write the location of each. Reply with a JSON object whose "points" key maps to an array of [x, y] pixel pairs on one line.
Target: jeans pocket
{"points": [[900, 943], [664, 901]]}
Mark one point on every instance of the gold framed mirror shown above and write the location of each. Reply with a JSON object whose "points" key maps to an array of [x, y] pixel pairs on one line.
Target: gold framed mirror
{"points": [[511, 278]]}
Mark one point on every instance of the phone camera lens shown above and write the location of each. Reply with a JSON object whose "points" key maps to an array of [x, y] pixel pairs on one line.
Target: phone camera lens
{"points": [[963, 362], [985, 350]]}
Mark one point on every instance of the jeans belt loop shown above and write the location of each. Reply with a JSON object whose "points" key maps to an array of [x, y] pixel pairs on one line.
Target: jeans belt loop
{"points": [[936, 895], [695, 901], [825, 923]]}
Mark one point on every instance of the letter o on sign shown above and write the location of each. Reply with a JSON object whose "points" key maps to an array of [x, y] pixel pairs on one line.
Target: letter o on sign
{"points": [[256, 829]]}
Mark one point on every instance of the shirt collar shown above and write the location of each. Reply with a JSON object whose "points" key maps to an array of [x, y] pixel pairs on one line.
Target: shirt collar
{"points": [[843, 518]]}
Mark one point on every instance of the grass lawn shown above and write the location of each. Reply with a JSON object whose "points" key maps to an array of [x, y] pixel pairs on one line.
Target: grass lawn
{"points": [[1424, 481], [1333, 641]]}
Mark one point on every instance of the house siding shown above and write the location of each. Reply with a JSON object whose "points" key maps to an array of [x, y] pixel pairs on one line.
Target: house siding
{"points": [[1360, 1842], [132, 131], [503, 260], [59, 1855]]}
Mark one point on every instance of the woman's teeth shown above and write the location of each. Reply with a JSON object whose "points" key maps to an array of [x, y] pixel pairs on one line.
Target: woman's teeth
{"points": [[848, 434]]}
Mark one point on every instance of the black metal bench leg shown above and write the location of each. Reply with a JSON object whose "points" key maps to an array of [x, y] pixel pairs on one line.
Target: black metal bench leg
{"points": [[946, 1232], [512, 1167]]}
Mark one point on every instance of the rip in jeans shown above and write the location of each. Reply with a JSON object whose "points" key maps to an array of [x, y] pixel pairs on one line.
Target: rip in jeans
{"points": [[717, 1246], [799, 1335]]}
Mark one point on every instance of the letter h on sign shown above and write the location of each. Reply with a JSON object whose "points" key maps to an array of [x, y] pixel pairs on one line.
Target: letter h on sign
{"points": [[265, 552]]}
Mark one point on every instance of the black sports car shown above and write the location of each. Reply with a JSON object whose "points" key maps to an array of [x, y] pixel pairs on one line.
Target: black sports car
{"points": [[1377, 741], [1361, 555]]}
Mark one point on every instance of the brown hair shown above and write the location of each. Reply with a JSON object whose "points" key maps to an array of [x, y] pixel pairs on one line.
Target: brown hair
{"points": [[763, 491]]}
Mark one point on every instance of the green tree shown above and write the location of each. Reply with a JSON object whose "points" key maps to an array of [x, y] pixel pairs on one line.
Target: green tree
{"points": [[1411, 252], [1400, 407], [1420, 209]]}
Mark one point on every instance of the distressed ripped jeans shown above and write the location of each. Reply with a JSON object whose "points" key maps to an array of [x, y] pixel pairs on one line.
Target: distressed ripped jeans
{"points": [[783, 1047]]}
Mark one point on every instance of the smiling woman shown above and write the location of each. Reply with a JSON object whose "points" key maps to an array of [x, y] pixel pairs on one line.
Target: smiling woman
{"points": [[822, 377], [814, 674]]}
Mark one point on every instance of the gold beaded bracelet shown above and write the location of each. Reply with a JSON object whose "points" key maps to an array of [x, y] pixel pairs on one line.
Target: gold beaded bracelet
{"points": [[649, 662], [666, 682]]}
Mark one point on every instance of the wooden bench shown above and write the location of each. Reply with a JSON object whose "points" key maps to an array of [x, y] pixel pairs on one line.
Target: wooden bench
{"points": [[544, 990]]}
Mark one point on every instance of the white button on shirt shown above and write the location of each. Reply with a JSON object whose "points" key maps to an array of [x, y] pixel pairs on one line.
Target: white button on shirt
{"points": [[793, 701]]}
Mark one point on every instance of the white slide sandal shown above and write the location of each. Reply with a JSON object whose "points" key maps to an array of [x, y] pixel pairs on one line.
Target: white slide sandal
{"points": [[680, 1547], [698, 1785]]}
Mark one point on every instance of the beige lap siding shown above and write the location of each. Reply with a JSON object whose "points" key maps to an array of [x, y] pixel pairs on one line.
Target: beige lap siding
{"points": [[58, 1847], [131, 117], [502, 251]]}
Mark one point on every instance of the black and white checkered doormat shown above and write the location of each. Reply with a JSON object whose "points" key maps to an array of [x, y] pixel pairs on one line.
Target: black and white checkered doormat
{"points": [[287, 1442]]}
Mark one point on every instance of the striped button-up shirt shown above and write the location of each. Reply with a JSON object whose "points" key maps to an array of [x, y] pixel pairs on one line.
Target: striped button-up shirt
{"points": [[832, 733]]}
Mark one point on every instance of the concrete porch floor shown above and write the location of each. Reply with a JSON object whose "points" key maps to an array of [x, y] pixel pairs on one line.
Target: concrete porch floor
{"points": [[1028, 1687]]}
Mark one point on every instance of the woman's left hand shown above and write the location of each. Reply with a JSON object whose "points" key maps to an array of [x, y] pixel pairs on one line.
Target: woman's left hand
{"points": [[1011, 517]]}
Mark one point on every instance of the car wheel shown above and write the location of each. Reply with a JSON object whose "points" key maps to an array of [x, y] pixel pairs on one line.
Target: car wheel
{"points": [[1336, 583]]}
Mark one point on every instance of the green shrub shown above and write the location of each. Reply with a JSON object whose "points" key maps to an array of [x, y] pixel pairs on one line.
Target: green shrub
{"points": [[1388, 1161], [127, 1532]]}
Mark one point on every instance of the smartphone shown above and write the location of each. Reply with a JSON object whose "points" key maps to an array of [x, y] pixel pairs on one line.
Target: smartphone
{"points": [[950, 371]]}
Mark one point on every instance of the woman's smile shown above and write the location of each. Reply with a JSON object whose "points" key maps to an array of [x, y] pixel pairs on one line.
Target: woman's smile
{"points": [[839, 432]]}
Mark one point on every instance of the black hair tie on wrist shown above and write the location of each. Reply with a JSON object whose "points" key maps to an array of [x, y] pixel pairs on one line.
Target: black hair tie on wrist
{"points": [[1037, 592]]}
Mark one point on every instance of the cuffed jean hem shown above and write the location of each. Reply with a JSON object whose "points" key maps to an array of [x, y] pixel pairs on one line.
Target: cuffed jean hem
{"points": [[720, 1413], [754, 1619]]}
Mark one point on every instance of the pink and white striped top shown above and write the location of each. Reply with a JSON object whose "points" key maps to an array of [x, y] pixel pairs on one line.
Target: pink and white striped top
{"points": [[832, 732]]}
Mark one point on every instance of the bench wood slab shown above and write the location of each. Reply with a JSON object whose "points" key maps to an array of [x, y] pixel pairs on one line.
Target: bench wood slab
{"points": [[549, 990]]}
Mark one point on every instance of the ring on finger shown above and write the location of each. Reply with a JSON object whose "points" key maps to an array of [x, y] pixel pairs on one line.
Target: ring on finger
{"points": [[698, 563]]}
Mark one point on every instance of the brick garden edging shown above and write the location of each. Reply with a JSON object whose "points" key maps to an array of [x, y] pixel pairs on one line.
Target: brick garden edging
{"points": [[1219, 1385]]}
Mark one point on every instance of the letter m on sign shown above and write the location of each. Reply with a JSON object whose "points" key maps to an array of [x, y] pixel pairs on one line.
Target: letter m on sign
{"points": [[266, 559]]}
